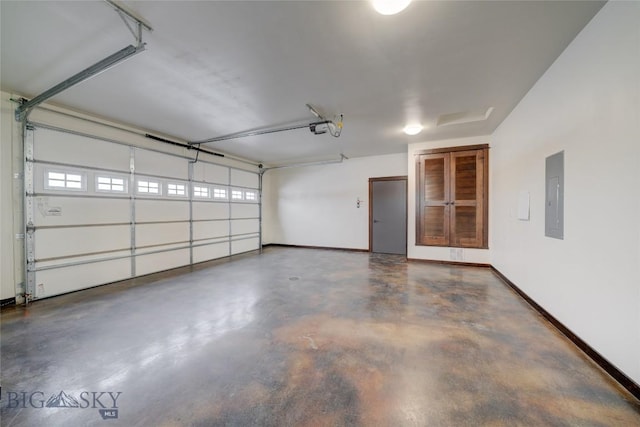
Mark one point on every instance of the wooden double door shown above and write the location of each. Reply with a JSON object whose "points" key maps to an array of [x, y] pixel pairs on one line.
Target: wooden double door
{"points": [[453, 197]]}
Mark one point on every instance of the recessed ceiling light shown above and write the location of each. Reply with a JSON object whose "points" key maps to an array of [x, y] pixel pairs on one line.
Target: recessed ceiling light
{"points": [[390, 7], [412, 129]]}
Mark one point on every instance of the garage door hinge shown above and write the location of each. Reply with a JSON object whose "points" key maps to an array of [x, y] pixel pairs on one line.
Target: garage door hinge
{"points": [[19, 236]]}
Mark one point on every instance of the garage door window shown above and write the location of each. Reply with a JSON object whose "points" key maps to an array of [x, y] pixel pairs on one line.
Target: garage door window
{"points": [[111, 184], [148, 187], [65, 180], [174, 189], [220, 194], [201, 192]]}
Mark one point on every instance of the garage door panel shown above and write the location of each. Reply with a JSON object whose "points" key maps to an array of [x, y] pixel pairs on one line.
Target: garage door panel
{"points": [[158, 210], [81, 259], [68, 279], [161, 248], [66, 148], [158, 234], [245, 245], [243, 226], [210, 229], [62, 242], [244, 179], [245, 210], [52, 211], [213, 174], [204, 210], [153, 163], [209, 252], [146, 264]]}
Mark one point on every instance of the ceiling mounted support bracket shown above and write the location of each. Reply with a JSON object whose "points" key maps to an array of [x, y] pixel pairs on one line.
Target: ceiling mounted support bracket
{"points": [[126, 15], [136, 34]]}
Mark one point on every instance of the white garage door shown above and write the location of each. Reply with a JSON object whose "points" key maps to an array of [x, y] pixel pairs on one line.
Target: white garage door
{"points": [[100, 211]]}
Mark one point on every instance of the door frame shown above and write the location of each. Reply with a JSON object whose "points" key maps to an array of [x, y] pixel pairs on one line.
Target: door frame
{"points": [[404, 178]]}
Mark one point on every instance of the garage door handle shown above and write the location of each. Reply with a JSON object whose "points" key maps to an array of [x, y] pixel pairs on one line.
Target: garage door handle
{"points": [[375, 220]]}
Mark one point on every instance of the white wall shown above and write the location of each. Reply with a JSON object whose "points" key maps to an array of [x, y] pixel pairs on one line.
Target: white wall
{"points": [[316, 205], [587, 104], [11, 249], [414, 251]]}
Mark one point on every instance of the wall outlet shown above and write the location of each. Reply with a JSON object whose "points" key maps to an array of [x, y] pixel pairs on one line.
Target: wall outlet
{"points": [[456, 254]]}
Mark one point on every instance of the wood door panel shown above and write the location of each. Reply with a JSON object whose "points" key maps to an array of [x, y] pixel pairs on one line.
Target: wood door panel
{"points": [[451, 197], [465, 176], [466, 197], [464, 226], [433, 222], [435, 225], [434, 179]]}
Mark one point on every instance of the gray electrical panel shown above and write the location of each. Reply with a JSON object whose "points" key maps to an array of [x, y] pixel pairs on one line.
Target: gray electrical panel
{"points": [[554, 196]]}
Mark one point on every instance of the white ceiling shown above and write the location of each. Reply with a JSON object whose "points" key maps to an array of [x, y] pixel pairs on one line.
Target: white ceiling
{"points": [[215, 68]]}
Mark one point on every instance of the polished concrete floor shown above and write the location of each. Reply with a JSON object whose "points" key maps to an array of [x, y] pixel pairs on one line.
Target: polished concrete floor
{"points": [[300, 337]]}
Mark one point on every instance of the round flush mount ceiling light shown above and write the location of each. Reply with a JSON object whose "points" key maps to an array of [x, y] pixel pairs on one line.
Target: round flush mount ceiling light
{"points": [[412, 129], [390, 7]]}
